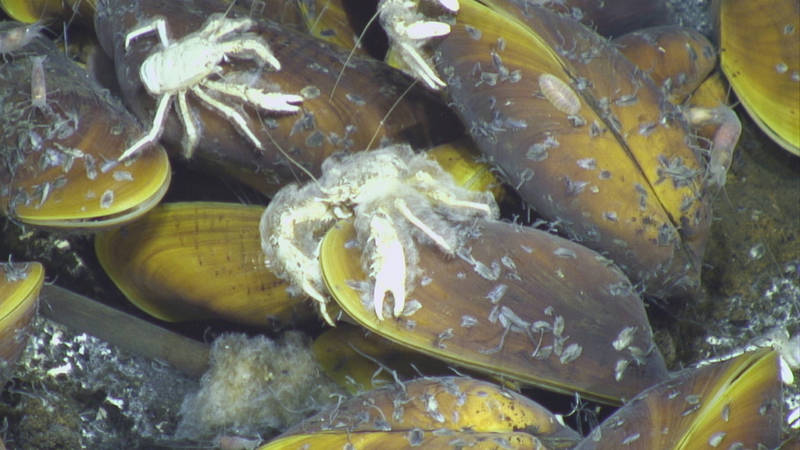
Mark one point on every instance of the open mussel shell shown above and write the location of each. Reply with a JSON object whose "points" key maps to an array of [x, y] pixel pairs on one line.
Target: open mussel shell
{"points": [[585, 136], [525, 305], [20, 284], [368, 104], [60, 139], [730, 404], [422, 409], [760, 55], [30, 11], [186, 261], [678, 59]]}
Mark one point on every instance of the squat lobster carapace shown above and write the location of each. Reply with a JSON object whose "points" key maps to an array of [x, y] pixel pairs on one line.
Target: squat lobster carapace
{"points": [[186, 64]]}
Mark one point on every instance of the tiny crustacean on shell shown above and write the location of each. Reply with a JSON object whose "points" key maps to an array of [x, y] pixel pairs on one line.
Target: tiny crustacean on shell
{"points": [[396, 197], [186, 64]]}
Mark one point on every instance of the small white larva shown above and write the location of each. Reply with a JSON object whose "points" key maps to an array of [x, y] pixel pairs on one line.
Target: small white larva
{"points": [[559, 94]]}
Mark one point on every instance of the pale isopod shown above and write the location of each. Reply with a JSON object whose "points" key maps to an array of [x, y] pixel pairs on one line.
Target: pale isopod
{"points": [[559, 94]]}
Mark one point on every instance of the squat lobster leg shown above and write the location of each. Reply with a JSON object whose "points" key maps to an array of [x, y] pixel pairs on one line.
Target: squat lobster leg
{"points": [[155, 130], [158, 24]]}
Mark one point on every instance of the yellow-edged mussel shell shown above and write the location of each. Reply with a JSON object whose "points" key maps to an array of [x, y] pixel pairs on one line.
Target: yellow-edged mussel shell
{"points": [[526, 275], [760, 55], [58, 168], [30, 11], [328, 20], [462, 160], [391, 440], [714, 406], [20, 284], [411, 412], [186, 261]]}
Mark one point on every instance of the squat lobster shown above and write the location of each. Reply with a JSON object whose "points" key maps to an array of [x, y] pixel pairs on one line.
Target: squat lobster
{"points": [[185, 65]]}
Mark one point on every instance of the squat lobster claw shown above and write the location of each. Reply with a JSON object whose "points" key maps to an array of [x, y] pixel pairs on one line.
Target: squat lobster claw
{"points": [[185, 65]]}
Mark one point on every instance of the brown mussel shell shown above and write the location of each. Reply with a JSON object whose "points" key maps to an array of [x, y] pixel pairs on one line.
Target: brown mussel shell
{"points": [[585, 136], [608, 18], [354, 358], [390, 440], [416, 409], [343, 109], [20, 284], [186, 261], [729, 404], [677, 59], [60, 137], [525, 304]]}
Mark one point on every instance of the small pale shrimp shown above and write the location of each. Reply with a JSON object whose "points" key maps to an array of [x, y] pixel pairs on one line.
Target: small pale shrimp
{"points": [[18, 36], [729, 128], [38, 83]]}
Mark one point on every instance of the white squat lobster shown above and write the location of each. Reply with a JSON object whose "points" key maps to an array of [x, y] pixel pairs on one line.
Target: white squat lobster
{"points": [[397, 198], [185, 65]]}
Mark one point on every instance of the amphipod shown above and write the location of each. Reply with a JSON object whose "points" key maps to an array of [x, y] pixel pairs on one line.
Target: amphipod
{"points": [[559, 94]]}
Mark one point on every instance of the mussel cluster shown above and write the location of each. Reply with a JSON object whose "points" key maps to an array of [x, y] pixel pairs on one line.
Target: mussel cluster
{"points": [[387, 134]]}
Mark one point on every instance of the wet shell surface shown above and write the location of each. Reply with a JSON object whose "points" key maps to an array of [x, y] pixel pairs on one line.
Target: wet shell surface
{"points": [[678, 59], [186, 261], [572, 125], [59, 140], [20, 284], [426, 409], [760, 55], [724, 404], [520, 303], [348, 354]]}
